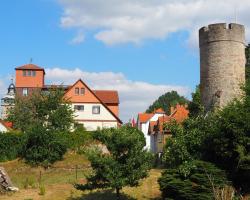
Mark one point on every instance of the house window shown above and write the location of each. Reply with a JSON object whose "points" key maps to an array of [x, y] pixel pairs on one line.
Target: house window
{"points": [[77, 91], [25, 91], [24, 72], [33, 73], [29, 73], [79, 107], [96, 110], [82, 91]]}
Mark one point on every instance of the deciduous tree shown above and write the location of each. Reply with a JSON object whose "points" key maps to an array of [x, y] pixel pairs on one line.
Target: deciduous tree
{"points": [[48, 109]]}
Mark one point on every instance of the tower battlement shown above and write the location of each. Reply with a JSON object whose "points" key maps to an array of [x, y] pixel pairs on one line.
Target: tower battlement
{"points": [[222, 32], [222, 60]]}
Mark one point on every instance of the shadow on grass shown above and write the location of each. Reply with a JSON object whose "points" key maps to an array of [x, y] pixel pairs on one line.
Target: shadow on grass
{"points": [[102, 195]]}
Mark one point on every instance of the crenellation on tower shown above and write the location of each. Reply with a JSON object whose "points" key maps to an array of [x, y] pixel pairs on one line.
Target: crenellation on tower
{"points": [[222, 60], [222, 32]]}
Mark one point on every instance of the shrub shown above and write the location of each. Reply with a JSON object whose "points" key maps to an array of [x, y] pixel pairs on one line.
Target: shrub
{"points": [[77, 139], [198, 184], [43, 147], [42, 190], [10, 145]]}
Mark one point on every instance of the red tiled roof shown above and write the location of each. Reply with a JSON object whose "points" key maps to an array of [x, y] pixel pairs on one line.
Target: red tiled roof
{"points": [[180, 113], [107, 96], [162, 120], [159, 110], [144, 117], [29, 67]]}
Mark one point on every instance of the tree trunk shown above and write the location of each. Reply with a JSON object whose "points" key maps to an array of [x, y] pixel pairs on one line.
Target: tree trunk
{"points": [[118, 193]]}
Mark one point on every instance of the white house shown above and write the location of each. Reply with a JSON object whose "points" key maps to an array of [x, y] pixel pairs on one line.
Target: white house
{"points": [[94, 108], [143, 122]]}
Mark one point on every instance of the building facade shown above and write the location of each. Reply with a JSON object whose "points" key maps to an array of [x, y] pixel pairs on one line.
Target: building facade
{"points": [[143, 122], [93, 108], [157, 131], [8, 101]]}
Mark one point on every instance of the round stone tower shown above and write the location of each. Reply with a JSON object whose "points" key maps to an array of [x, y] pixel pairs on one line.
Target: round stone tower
{"points": [[222, 63]]}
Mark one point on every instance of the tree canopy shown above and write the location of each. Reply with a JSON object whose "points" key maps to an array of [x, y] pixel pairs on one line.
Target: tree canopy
{"points": [[42, 147], [220, 137], [125, 163], [166, 101], [195, 107], [48, 109]]}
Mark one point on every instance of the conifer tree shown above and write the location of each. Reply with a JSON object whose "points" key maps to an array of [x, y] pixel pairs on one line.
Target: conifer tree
{"points": [[125, 163]]}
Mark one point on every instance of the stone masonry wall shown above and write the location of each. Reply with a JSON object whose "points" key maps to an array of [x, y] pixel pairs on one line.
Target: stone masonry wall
{"points": [[222, 62]]}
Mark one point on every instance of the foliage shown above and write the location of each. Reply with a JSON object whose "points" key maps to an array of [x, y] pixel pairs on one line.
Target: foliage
{"points": [[186, 143], [42, 190], [42, 147], [49, 109], [248, 62], [78, 139], [166, 101], [231, 143], [195, 107], [221, 137], [10, 145], [125, 163], [199, 184]]}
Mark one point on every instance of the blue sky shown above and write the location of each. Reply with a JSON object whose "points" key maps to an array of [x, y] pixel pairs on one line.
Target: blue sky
{"points": [[84, 38], [33, 31]]}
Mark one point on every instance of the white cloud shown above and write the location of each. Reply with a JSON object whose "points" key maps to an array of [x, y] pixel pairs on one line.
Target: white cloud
{"points": [[135, 96], [79, 38], [133, 21], [2, 88]]}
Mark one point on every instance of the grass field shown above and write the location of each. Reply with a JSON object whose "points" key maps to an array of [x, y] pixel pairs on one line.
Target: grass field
{"points": [[58, 182]]}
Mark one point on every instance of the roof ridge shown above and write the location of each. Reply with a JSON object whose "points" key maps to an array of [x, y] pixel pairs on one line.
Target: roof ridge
{"points": [[107, 90]]}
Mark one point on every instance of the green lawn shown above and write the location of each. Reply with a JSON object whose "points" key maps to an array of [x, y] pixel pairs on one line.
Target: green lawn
{"points": [[58, 181]]}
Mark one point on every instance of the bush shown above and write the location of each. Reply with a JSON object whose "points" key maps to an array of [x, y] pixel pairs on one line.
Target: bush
{"points": [[231, 144], [77, 139], [42, 190], [10, 145], [221, 138], [43, 147], [198, 184]]}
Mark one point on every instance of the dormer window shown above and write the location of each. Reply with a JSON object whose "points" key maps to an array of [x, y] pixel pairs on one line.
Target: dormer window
{"points": [[24, 72], [82, 92], [76, 91]]}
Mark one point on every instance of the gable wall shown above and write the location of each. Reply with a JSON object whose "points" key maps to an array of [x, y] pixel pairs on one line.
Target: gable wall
{"points": [[88, 97]]}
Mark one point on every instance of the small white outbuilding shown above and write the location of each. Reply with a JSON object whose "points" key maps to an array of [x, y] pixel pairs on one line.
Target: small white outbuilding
{"points": [[3, 127]]}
